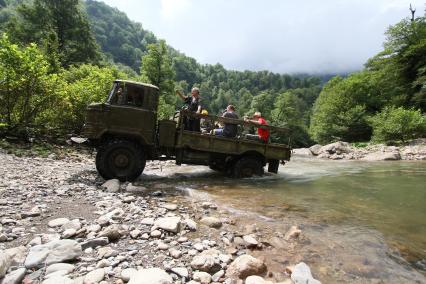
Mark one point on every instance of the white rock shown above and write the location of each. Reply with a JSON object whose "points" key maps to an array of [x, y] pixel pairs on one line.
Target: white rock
{"points": [[151, 276], [5, 262], [302, 274], [127, 273], [191, 224], [216, 277], [94, 276], [58, 222], [68, 233], [207, 261], [254, 279], [170, 206], [202, 277], [250, 241], [244, 266], [112, 185], [301, 152], [60, 266], [73, 224], [135, 233], [14, 277], [171, 224], [53, 252], [181, 271], [175, 253], [58, 280], [147, 221], [212, 222]]}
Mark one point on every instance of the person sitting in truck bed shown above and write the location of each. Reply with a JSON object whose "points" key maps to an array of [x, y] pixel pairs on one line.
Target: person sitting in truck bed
{"points": [[263, 134], [194, 105], [229, 129]]}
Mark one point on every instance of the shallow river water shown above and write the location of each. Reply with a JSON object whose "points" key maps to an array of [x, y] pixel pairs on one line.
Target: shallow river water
{"points": [[365, 221]]}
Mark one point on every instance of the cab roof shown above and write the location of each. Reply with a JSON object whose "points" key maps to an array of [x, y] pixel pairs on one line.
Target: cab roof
{"points": [[136, 83]]}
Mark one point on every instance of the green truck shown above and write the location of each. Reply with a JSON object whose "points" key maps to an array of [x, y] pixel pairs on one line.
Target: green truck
{"points": [[126, 133]]}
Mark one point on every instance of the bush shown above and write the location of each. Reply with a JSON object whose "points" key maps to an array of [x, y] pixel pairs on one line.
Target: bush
{"points": [[397, 124]]}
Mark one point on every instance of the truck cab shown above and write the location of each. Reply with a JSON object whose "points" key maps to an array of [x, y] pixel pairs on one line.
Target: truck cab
{"points": [[126, 132]]}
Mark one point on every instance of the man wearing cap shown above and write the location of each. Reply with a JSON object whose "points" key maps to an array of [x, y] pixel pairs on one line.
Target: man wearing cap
{"points": [[258, 119]]}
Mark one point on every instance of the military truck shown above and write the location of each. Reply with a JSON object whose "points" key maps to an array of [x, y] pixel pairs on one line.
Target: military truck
{"points": [[126, 133]]}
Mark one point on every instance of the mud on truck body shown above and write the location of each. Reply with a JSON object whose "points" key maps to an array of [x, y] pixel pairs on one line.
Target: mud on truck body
{"points": [[126, 133]]}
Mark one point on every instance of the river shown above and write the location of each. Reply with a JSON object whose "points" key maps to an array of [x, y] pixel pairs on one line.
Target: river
{"points": [[363, 222]]}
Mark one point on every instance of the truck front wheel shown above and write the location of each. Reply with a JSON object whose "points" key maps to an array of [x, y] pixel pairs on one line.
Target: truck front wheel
{"points": [[247, 167], [120, 159]]}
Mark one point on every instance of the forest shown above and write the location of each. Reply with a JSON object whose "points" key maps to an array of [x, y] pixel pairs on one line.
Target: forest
{"points": [[56, 57]]}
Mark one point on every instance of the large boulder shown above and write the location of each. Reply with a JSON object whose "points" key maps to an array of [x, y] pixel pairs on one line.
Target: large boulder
{"points": [[338, 148], [302, 274], [301, 152], [207, 261], [315, 149], [52, 252], [151, 276], [170, 224], [244, 266], [383, 156]]}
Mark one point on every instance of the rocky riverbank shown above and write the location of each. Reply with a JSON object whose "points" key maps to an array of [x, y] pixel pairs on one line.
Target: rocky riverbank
{"points": [[61, 223], [413, 151]]}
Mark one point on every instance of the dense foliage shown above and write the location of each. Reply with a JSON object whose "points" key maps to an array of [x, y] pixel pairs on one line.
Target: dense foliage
{"points": [[397, 124], [52, 67], [392, 80]]}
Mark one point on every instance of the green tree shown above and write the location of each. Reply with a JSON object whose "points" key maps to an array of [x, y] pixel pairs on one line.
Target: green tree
{"points": [[56, 23], [27, 89], [398, 124], [157, 69]]}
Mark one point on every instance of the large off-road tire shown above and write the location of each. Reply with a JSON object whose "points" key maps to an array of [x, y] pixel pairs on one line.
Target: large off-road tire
{"points": [[120, 159], [247, 167], [273, 166]]}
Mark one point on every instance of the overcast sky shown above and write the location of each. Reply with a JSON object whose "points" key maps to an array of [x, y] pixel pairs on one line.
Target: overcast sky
{"points": [[285, 36]]}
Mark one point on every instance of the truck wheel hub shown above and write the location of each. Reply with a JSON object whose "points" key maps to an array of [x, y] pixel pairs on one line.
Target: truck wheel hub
{"points": [[121, 161]]}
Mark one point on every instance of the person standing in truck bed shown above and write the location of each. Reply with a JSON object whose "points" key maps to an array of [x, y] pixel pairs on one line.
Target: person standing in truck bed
{"points": [[193, 103]]}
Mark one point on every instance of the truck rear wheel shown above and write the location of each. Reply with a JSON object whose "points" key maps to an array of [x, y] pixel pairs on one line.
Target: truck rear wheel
{"points": [[120, 159], [247, 167], [273, 166]]}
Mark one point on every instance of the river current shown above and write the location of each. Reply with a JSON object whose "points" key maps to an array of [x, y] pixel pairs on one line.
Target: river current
{"points": [[365, 221]]}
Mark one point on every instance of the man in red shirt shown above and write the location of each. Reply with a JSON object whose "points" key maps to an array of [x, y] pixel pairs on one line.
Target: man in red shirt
{"points": [[262, 133]]}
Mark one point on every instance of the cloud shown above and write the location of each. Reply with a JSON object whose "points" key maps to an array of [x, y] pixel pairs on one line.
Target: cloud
{"points": [[172, 9]]}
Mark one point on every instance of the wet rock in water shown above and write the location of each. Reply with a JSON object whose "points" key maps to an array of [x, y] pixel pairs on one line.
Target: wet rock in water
{"points": [[170, 224], [112, 185], [53, 252], [127, 273], [67, 267], [382, 156], [151, 276], [181, 271], [132, 188], [302, 274], [111, 232], [202, 277], [293, 233], [5, 262], [212, 222], [94, 276], [315, 149], [207, 261], [58, 222], [302, 152], [244, 266], [14, 277], [102, 241], [254, 279], [170, 206]]}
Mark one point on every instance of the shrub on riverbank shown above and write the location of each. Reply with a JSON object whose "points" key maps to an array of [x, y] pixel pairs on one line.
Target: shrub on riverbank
{"points": [[397, 124]]}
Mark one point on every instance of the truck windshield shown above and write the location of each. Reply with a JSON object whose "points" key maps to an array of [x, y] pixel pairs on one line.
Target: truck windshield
{"points": [[111, 97]]}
